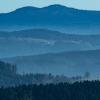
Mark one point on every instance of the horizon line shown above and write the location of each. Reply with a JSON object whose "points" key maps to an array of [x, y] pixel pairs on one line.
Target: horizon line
{"points": [[49, 6]]}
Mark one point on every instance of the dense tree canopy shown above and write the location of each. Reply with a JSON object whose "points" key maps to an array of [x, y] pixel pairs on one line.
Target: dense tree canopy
{"points": [[63, 91]]}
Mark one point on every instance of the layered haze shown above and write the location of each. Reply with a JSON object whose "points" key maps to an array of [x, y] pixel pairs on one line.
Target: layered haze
{"points": [[40, 41], [53, 39]]}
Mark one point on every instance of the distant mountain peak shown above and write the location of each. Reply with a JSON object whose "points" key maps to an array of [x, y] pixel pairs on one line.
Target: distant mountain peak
{"points": [[26, 9], [56, 6]]}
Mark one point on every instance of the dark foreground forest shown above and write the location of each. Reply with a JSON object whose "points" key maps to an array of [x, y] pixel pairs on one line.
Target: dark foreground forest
{"points": [[78, 91]]}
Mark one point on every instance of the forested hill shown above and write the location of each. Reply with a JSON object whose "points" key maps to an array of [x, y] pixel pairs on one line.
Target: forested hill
{"points": [[7, 74], [77, 91], [6, 68]]}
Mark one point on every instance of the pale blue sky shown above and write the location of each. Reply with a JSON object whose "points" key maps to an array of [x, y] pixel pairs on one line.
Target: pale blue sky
{"points": [[9, 5]]}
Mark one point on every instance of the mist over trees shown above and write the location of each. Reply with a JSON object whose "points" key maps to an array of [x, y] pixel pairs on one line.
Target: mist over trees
{"points": [[10, 77]]}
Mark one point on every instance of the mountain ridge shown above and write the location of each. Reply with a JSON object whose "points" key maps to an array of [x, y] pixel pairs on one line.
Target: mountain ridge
{"points": [[54, 17]]}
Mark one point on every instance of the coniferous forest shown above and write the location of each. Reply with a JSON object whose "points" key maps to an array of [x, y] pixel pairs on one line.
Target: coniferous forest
{"points": [[78, 91]]}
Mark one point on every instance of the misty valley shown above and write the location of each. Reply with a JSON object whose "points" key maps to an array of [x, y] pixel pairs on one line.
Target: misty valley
{"points": [[46, 51]]}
